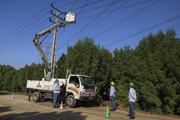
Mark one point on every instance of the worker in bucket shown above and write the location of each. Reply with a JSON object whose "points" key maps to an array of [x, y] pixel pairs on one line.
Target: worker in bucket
{"points": [[132, 100], [56, 93], [112, 95]]}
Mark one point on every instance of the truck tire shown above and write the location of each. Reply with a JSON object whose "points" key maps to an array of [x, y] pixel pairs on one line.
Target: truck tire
{"points": [[36, 96], [71, 101]]}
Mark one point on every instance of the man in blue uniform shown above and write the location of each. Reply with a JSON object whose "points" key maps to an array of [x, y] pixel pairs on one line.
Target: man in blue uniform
{"points": [[56, 94], [112, 95], [132, 100]]}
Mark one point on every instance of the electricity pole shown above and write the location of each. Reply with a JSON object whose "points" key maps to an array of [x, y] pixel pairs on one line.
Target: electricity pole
{"points": [[54, 46]]}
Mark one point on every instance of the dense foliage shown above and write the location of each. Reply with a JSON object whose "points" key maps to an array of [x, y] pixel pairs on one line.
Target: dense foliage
{"points": [[153, 66]]}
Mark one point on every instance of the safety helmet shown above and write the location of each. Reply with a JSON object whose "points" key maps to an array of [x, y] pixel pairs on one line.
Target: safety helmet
{"points": [[131, 84], [56, 80], [60, 84], [112, 83]]}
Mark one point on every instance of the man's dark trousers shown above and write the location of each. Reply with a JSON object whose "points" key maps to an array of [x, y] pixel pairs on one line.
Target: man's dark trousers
{"points": [[56, 99], [131, 109], [112, 103]]}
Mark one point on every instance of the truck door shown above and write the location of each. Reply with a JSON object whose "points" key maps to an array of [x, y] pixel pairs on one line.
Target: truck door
{"points": [[74, 86]]}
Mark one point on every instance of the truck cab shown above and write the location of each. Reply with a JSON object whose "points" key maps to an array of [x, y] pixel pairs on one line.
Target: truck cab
{"points": [[79, 88]]}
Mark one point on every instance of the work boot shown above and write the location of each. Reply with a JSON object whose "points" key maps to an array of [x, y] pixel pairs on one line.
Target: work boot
{"points": [[112, 110], [128, 115], [131, 117]]}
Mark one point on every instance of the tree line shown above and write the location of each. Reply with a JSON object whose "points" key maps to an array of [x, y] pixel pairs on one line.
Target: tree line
{"points": [[153, 66]]}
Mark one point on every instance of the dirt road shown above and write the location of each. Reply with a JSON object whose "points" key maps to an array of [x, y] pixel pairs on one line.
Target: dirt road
{"points": [[20, 108]]}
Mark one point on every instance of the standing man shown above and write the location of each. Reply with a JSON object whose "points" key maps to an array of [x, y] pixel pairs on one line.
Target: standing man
{"points": [[56, 94], [132, 100], [112, 95], [62, 92]]}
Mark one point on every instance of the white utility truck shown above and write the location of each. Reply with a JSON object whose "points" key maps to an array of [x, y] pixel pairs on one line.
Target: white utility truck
{"points": [[77, 87]]}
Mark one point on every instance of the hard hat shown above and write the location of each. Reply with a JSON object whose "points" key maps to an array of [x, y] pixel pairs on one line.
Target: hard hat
{"points": [[131, 84], [60, 84], [112, 83], [56, 80]]}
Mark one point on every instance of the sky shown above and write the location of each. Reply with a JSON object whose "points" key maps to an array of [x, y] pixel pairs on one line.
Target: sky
{"points": [[110, 23]]}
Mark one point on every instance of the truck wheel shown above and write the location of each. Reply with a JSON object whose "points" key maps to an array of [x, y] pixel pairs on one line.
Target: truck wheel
{"points": [[71, 101], [36, 96]]}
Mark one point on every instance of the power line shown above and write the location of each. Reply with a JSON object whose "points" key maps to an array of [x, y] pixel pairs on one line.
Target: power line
{"points": [[18, 31], [31, 29], [20, 40], [32, 22], [144, 30], [17, 39], [87, 5], [125, 19], [97, 22], [71, 7], [83, 6], [29, 19], [115, 24], [10, 48], [68, 25], [21, 27], [99, 7], [89, 23], [116, 9], [69, 3]]}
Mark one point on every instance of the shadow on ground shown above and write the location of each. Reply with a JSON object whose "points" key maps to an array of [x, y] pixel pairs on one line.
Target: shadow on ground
{"points": [[88, 104], [66, 115], [79, 104], [4, 109], [4, 93]]}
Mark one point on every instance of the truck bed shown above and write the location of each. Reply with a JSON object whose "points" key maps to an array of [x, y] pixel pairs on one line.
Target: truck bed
{"points": [[42, 84]]}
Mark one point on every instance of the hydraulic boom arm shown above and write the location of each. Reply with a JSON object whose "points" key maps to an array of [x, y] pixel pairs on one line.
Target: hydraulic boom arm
{"points": [[38, 44], [70, 19]]}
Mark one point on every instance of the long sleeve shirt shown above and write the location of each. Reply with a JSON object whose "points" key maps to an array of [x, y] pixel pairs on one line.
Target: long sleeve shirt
{"points": [[132, 95], [112, 91], [56, 88]]}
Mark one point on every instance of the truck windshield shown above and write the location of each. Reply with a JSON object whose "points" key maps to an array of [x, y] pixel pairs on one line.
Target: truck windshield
{"points": [[87, 82]]}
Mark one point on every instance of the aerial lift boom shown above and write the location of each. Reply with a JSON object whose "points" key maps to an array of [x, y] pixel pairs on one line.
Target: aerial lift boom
{"points": [[70, 19]]}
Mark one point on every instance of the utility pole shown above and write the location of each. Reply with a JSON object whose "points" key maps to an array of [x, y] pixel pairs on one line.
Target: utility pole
{"points": [[70, 18], [54, 46]]}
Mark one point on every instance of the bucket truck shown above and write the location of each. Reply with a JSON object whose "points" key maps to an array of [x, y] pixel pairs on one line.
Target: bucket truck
{"points": [[77, 87]]}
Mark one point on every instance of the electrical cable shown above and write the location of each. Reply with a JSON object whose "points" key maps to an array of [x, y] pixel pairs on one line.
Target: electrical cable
{"points": [[20, 40], [113, 25], [35, 20], [115, 10], [57, 50], [87, 5], [97, 22], [125, 19], [89, 23], [144, 30], [16, 39], [98, 7], [19, 28]]}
